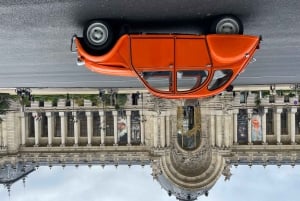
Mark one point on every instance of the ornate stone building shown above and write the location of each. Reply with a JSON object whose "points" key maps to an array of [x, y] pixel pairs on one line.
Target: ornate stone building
{"points": [[189, 144]]}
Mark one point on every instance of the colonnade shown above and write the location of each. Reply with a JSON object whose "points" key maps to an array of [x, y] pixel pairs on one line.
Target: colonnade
{"points": [[224, 127], [76, 135]]}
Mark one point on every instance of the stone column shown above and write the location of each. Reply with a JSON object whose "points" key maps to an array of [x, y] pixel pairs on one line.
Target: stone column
{"points": [[264, 126], [115, 116], [76, 128], [249, 111], [128, 122], [219, 129], [292, 125], [212, 129], [23, 116], [168, 134], [36, 128], [278, 124], [155, 131], [50, 121], [288, 121], [227, 133], [235, 126], [4, 134], [102, 126], [162, 130], [89, 118], [63, 124]]}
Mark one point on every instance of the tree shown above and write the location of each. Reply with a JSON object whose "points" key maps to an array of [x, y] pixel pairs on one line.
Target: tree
{"points": [[4, 103]]}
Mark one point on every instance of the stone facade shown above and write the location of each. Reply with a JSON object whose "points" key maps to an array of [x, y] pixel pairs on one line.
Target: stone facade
{"points": [[187, 160]]}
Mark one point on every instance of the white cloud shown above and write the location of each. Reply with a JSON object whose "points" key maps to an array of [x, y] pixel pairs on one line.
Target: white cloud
{"points": [[136, 183]]}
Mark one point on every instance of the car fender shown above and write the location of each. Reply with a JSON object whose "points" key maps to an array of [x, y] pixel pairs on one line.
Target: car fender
{"points": [[226, 50]]}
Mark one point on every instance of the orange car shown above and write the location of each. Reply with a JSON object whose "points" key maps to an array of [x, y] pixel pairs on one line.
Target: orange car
{"points": [[170, 65]]}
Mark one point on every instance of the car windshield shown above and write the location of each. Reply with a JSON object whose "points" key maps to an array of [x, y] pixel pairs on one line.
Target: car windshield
{"points": [[220, 79], [158, 80], [189, 80]]}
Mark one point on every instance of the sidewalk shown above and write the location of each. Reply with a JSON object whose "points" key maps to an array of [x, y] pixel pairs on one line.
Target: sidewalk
{"points": [[56, 91], [51, 91]]}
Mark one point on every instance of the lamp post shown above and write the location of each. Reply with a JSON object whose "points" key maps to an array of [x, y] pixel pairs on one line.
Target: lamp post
{"points": [[102, 99], [23, 93]]}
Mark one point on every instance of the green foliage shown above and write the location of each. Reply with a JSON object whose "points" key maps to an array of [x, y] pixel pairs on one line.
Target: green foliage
{"points": [[291, 94], [257, 100], [121, 99], [4, 103], [265, 93], [78, 99]]}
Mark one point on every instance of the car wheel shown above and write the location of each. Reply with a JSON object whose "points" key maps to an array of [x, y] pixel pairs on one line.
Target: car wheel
{"points": [[227, 24], [98, 35]]}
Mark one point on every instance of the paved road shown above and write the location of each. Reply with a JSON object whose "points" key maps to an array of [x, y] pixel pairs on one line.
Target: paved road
{"points": [[35, 37]]}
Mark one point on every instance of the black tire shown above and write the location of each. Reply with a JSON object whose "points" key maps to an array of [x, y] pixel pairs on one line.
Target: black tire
{"points": [[98, 35], [227, 24]]}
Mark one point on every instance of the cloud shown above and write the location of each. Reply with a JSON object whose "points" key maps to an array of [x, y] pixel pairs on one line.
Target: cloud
{"points": [[258, 183], [136, 183], [92, 184]]}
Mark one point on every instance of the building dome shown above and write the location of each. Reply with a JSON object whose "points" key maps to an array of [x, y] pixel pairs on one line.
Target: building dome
{"points": [[187, 175]]}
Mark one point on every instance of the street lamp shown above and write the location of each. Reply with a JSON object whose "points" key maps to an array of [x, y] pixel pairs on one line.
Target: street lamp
{"points": [[24, 93]]}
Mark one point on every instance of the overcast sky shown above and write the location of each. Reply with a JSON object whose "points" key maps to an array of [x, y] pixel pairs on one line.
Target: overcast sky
{"points": [[136, 184]]}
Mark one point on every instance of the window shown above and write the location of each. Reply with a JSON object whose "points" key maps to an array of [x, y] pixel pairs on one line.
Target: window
{"points": [[57, 126], [70, 120], [284, 121], [82, 124], [220, 78], [189, 80], [30, 125], [269, 122], [44, 125], [242, 126], [135, 127], [159, 80], [96, 124], [188, 127], [109, 124], [297, 121]]}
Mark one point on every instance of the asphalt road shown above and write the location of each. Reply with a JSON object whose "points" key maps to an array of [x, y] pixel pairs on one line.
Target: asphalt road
{"points": [[35, 37]]}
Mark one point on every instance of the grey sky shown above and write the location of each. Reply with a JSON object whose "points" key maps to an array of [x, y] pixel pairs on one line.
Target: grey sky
{"points": [[136, 183]]}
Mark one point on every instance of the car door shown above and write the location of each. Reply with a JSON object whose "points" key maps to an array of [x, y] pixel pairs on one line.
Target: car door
{"points": [[152, 52], [192, 63], [152, 57]]}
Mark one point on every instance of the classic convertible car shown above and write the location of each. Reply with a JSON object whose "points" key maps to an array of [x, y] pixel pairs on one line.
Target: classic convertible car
{"points": [[170, 65]]}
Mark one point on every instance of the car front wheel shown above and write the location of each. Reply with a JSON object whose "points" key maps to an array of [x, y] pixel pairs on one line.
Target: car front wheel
{"points": [[98, 35], [227, 24]]}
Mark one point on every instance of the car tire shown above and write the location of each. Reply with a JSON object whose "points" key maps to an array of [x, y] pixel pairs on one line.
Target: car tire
{"points": [[98, 35], [227, 24]]}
